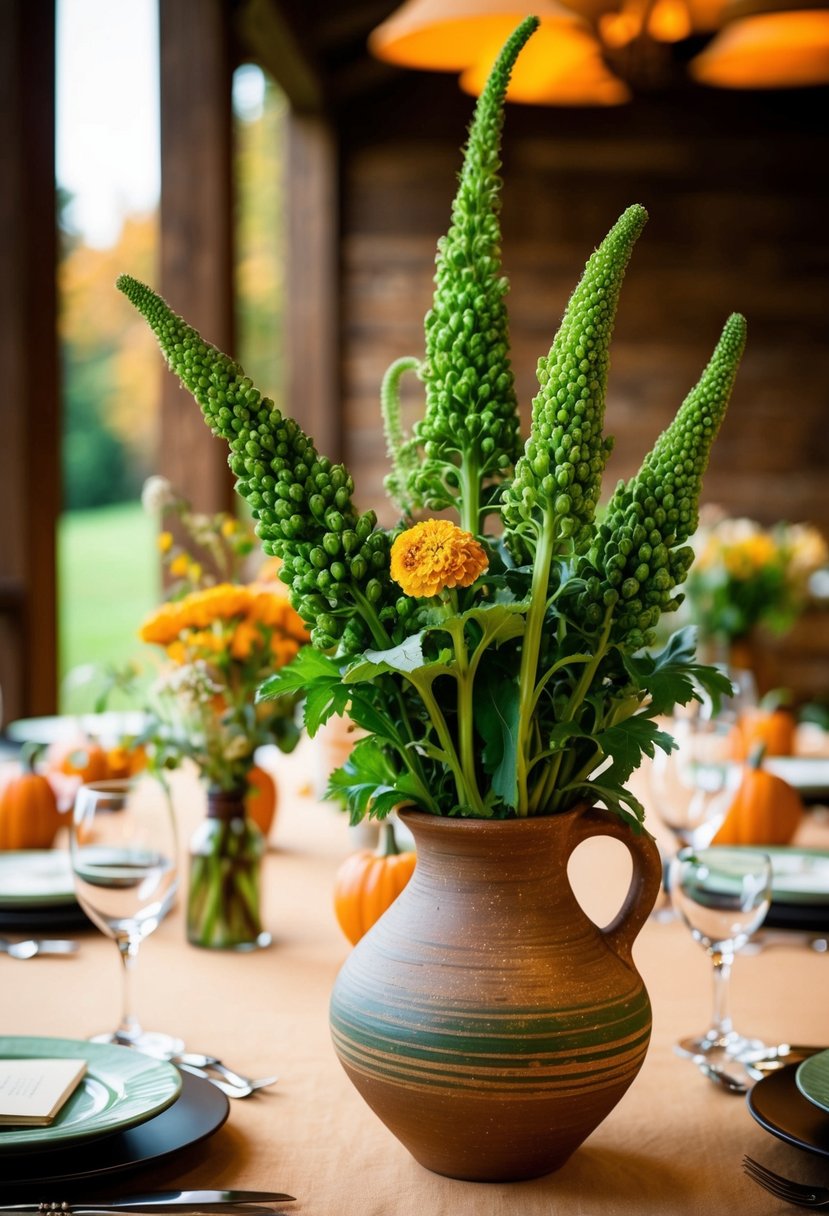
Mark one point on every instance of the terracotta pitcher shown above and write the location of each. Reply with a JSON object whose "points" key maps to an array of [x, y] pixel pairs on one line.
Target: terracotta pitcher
{"points": [[485, 1018]]}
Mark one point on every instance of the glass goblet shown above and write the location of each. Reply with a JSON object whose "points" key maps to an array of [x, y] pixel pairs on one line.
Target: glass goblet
{"points": [[690, 785], [722, 894], [123, 849]]}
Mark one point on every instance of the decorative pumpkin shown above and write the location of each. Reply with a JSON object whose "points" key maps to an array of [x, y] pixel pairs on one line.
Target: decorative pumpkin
{"points": [[774, 727], [765, 809], [368, 882], [29, 815], [261, 799], [125, 760], [81, 757]]}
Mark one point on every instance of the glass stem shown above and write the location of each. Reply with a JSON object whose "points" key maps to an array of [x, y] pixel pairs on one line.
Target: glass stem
{"points": [[721, 1025], [129, 1026]]}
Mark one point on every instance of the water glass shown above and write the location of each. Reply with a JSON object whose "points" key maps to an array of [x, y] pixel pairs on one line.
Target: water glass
{"points": [[124, 860], [722, 894]]}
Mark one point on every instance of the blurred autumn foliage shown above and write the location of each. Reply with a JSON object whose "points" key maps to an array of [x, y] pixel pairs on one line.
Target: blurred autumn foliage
{"points": [[111, 370], [110, 375]]}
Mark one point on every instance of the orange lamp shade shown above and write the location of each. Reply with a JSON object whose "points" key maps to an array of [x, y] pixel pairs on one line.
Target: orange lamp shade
{"points": [[768, 50], [560, 66], [451, 35]]}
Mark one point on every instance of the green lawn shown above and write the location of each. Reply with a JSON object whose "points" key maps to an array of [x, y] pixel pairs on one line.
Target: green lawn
{"points": [[108, 581]]}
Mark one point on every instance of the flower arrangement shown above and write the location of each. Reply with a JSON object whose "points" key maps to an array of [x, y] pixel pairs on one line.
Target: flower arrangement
{"points": [[746, 576], [498, 673], [220, 639]]}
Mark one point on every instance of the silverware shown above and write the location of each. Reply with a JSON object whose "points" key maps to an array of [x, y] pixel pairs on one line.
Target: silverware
{"points": [[37, 945], [792, 1192], [764, 939], [206, 1066], [725, 1080], [164, 1201], [780, 1057]]}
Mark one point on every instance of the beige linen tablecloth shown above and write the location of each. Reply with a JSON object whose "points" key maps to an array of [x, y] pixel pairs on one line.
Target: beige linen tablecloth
{"points": [[672, 1146]]}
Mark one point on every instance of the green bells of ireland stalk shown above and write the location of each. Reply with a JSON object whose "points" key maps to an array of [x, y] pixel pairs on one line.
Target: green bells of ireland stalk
{"points": [[494, 675]]}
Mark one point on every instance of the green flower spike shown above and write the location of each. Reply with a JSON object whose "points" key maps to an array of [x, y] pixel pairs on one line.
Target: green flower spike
{"points": [[640, 556], [469, 435], [334, 560], [551, 503]]}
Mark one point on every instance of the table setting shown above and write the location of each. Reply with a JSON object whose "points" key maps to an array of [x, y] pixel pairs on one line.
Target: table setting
{"points": [[512, 1028]]}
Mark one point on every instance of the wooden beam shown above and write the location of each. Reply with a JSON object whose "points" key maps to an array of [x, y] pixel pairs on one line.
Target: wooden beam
{"points": [[265, 35], [29, 403], [312, 282], [196, 226]]}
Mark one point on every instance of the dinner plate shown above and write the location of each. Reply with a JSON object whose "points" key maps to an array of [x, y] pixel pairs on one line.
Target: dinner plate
{"points": [[108, 727], [198, 1113], [64, 919], [778, 1106], [812, 1078], [808, 774], [121, 1088], [40, 878]]}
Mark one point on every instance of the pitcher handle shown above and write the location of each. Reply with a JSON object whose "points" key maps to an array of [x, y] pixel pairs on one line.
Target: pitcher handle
{"points": [[645, 883]]}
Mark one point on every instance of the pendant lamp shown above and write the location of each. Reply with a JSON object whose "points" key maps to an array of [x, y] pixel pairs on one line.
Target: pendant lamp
{"points": [[767, 44], [561, 64]]}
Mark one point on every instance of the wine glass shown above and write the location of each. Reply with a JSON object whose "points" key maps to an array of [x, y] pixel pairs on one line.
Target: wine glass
{"points": [[722, 894], [124, 861], [690, 785]]}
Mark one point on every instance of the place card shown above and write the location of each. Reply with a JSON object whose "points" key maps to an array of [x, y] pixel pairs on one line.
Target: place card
{"points": [[33, 1091]]}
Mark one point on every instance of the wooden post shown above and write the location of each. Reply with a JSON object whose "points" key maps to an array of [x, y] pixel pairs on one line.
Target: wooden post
{"points": [[196, 227], [29, 403], [312, 291]]}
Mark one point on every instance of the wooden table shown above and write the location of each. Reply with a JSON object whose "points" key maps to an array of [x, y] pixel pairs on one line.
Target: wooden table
{"points": [[672, 1146]]}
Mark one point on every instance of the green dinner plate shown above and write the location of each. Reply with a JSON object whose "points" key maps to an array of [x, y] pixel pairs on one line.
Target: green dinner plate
{"points": [[121, 1088], [799, 876], [812, 1079], [36, 878]]}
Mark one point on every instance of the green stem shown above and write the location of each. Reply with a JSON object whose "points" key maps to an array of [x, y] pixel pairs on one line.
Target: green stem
{"points": [[445, 737], [466, 719], [366, 610], [470, 493], [529, 654], [545, 790]]}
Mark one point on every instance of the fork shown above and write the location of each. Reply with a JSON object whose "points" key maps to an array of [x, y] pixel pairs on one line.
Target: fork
{"points": [[35, 945], [792, 1192]]}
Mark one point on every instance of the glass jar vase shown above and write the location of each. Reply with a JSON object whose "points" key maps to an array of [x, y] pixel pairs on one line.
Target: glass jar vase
{"points": [[224, 895]]}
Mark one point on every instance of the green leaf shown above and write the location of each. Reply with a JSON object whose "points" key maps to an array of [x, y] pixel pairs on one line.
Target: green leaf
{"points": [[369, 784], [406, 657], [673, 677], [497, 699], [619, 800], [499, 622], [324, 699], [627, 742], [308, 666]]}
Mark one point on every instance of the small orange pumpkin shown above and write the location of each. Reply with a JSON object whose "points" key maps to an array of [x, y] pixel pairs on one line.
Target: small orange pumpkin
{"points": [[776, 728], [125, 760], [81, 757], [29, 815], [765, 809], [261, 799], [368, 882]]}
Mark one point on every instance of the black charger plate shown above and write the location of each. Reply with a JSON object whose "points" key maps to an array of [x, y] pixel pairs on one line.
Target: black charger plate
{"points": [[779, 1106], [199, 1111]]}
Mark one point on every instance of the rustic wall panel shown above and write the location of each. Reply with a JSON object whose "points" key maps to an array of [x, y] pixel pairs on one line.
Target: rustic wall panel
{"points": [[737, 189]]}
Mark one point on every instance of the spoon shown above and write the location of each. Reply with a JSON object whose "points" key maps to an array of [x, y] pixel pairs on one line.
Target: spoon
{"points": [[33, 946], [726, 1080], [208, 1065]]}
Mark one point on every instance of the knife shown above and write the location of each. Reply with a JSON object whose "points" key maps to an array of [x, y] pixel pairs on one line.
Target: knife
{"points": [[163, 1201]]}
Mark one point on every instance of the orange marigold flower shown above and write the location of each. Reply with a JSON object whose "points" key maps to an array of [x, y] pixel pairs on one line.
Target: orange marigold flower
{"points": [[436, 554]]}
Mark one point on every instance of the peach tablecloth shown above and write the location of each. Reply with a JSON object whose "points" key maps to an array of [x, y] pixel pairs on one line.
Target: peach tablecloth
{"points": [[672, 1147]]}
